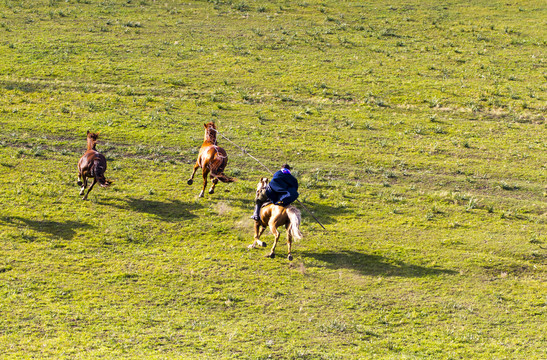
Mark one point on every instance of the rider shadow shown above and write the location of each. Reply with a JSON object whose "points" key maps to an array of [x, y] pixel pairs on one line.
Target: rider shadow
{"points": [[171, 210], [65, 230], [374, 265]]}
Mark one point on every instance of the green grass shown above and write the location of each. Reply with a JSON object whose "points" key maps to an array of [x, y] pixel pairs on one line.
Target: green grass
{"points": [[417, 132]]}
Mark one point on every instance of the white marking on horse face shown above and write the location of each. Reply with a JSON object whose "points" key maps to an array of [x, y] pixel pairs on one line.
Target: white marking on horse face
{"points": [[262, 184]]}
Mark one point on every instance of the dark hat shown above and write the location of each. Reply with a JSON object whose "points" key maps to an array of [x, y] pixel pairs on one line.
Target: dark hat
{"points": [[286, 166]]}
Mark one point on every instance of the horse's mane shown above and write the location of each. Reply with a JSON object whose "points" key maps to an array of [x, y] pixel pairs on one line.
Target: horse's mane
{"points": [[93, 137], [211, 132]]}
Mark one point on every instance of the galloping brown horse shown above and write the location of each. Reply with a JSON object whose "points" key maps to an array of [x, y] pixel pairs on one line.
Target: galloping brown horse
{"points": [[92, 165], [211, 159], [274, 216]]}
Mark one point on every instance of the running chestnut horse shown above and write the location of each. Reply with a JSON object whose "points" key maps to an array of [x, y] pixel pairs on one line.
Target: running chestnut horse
{"points": [[92, 165], [211, 159], [273, 216]]}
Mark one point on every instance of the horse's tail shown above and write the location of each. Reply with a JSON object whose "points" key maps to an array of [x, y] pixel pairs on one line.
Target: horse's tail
{"points": [[217, 169], [294, 225], [223, 177], [98, 169]]}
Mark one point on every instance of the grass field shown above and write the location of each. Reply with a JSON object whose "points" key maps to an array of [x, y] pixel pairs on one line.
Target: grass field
{"points": [[417, 132]]}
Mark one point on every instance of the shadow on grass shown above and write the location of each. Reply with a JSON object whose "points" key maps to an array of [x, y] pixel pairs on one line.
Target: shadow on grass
{"points": [[27, 87], [325, 213], [65, 229], [171, 210], [373, 265]]}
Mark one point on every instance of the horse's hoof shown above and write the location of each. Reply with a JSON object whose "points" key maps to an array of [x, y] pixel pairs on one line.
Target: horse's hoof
{"points": [[80, 183], [264, 244], [211, 191], [200, 194], [190, 182], [271, 256], [290, 257]]}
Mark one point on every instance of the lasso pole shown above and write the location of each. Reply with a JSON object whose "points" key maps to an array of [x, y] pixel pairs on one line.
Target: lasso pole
{"points": [[309, 212]]}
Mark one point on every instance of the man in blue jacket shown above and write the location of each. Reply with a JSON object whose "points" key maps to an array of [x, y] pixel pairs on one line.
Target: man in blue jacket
{"points": [[282, 190]]}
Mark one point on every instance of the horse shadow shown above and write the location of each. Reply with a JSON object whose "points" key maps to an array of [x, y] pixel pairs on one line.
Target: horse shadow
{"points": [[373, 265], [62, 229], [171, 210]]}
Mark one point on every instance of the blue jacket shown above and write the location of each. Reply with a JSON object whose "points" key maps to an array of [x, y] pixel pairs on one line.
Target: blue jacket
{"points": [[283, 188]]}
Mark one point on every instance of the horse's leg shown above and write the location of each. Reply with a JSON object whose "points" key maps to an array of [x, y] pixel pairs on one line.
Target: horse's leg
{"points": [[191, 180], [212, 189], [84, 185], [205, 173], [258, 233], [275, 233], [91, 187], [289, 242], [262, 243], [80, 183]]}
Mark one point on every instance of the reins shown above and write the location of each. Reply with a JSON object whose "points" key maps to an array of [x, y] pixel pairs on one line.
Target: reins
{"points": [[271, 173]]}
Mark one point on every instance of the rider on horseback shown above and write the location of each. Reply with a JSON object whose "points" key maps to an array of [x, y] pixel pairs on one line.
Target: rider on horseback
{"points": [[282, 190]]}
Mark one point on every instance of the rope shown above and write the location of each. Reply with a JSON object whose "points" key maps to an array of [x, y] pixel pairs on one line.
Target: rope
{"points": [[245, 152], [219, 155], [271, 173]]}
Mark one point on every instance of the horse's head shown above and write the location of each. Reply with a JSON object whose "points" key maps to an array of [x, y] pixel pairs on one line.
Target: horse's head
{"points": [[92, 139], [93, 136], [262, 184], [210, 132]]}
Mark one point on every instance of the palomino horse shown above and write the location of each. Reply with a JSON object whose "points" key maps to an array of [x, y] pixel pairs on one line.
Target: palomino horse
{"points": [[274, 216], [92, 165], [211, 159]]}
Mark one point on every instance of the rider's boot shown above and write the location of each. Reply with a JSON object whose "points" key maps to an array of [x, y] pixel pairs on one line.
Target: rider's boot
{"points": [[256, 215]]}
